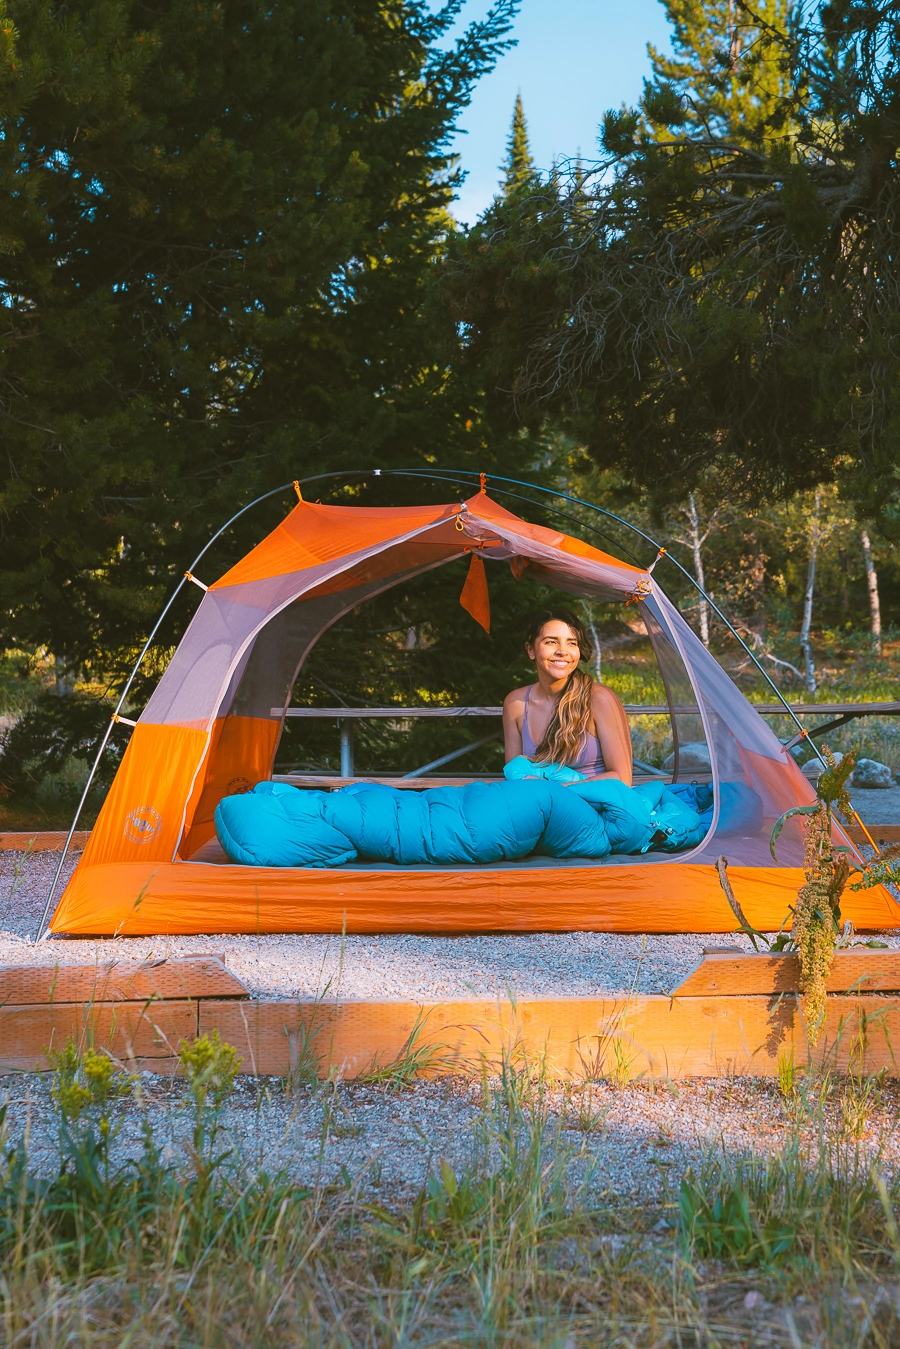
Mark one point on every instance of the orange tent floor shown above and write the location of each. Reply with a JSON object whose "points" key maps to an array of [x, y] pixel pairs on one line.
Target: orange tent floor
{"points": [[191, 898]]}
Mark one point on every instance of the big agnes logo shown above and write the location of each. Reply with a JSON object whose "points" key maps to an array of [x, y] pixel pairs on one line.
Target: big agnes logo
{"points": [[143, 824]]}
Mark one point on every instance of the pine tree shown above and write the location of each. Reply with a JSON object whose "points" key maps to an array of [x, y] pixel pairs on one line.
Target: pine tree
{"points": [[518, 170], [218, 219], [727, 71], [725, 293]]}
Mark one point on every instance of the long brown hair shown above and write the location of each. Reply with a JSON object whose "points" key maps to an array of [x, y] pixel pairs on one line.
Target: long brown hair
{"points": [[572, 719]]}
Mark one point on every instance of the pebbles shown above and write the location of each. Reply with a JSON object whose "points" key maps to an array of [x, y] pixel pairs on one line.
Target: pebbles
{"points": [[387, 1144]]}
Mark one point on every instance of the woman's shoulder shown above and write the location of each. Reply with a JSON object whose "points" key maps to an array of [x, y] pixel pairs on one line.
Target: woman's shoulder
{"points": [[603, 696], [515, 699]]}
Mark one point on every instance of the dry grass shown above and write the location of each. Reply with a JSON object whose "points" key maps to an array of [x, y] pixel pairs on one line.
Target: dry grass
{"points": [[798, 1248]]}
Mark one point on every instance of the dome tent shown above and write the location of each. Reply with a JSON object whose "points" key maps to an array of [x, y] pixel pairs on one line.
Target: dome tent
{"points": [[212, 726]]}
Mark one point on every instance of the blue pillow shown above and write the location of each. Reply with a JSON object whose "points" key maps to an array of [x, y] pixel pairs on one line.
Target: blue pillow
{"points": [[740, 807]]}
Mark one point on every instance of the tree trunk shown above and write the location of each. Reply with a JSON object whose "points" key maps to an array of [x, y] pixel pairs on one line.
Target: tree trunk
{"points": [[808, 664], [694, 522], [589, 612], [754, 561], [63, 677], [872, 583]]}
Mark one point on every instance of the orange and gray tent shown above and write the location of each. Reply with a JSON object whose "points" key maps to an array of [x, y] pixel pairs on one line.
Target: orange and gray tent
{"points": [[152, 864]]}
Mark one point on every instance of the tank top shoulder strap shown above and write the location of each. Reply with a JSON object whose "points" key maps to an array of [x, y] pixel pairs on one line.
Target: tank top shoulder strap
{"points": [[529, 745]]}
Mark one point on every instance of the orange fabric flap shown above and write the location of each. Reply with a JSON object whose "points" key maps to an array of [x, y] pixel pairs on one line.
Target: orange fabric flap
{"points": [[474, 596]]}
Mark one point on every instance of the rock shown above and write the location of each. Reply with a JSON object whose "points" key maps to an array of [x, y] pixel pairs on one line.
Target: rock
{"points": [[812, 768], [692, 758], [870, 773]]}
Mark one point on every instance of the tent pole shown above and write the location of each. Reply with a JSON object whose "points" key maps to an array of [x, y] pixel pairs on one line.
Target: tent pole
{"points": [[406, 473], [611, 515], [41, 933]]}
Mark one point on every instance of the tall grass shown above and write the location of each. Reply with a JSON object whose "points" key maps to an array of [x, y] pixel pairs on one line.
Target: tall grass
{"points": [[502, 1250]]}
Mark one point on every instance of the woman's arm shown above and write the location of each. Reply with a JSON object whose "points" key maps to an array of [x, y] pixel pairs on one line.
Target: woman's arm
{"points": [[611, 726], [513, 710]]}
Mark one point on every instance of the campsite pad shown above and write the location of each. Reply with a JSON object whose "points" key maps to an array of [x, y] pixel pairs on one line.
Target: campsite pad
{"points": [[392, 967]]}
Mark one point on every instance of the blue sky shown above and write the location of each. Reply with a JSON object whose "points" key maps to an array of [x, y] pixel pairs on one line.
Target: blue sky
{"points": [[574, 59]]}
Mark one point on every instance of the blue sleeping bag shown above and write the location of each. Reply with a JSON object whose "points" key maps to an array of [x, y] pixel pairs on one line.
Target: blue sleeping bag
{"points": [[553, 814]]}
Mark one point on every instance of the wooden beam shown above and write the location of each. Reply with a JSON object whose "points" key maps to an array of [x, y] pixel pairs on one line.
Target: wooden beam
{"points": [[736, 975], [326, 782], [656, 1036], [120, 981], [629, 1038], [43, 841], [129, 1031], [883, 834], [633, 710]]}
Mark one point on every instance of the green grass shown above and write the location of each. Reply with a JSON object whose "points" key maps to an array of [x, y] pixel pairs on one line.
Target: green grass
{"points": [[507, 1250]]}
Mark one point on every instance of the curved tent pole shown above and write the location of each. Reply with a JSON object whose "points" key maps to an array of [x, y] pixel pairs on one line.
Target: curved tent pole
{"points": [[406, 473], [137, 665], [517, 496], [551, 491], [503, 491]]}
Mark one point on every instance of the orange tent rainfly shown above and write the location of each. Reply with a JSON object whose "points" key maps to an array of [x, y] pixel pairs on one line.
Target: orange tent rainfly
{"points": [[211, 729]]}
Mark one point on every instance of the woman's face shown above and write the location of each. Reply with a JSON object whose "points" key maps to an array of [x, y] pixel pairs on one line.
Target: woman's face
{"points": [[556, 652]]}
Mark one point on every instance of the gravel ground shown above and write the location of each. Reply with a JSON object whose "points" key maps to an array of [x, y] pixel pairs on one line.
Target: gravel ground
{"points": [[641, 1141], [394, 967], [877, 807]]}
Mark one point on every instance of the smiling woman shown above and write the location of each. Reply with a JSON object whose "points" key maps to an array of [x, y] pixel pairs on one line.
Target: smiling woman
{"points": [[566, 717]]}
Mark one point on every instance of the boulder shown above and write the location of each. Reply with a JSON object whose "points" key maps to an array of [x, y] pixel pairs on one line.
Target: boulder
{"points": [[870, 773], [812, 768], [692, 758]]}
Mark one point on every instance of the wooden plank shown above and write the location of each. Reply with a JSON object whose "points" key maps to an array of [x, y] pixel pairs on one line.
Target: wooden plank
{"points": [[883, 834], [120, 981], [331, 782], [129, 1031], [656, 1036], [736, 975], [328, 783], [632, 709], [650, 1036], [832, 709], [46, 841]]}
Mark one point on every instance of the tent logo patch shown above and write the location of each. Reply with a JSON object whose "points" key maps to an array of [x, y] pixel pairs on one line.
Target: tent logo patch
{"points": [[142, 825], [238, 787]]}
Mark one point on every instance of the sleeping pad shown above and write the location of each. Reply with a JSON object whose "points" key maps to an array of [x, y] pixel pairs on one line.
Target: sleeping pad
{"points": [[277, 825]]}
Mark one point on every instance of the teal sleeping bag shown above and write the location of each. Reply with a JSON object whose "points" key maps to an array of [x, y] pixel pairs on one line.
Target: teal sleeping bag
{"points": [[555, 813], [276, 825]]}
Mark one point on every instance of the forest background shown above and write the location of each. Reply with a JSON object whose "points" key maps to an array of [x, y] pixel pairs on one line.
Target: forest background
{"points": [[228, 259]]}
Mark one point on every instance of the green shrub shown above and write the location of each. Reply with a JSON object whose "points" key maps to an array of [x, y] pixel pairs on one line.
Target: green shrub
{"points": [[53, 744]]}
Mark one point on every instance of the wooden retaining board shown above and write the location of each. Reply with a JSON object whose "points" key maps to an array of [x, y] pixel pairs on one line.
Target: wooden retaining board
{"points": [[48, 840], [658, 1037], [133, 1033], [853, 971], [733, 1015], [120, 981]]}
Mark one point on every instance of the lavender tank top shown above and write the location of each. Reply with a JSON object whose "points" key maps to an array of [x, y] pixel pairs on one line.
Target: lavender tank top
{"points": [[590, 756]]}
